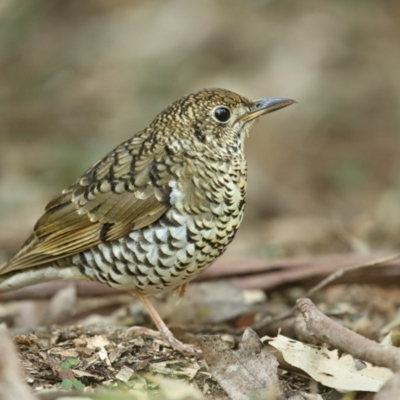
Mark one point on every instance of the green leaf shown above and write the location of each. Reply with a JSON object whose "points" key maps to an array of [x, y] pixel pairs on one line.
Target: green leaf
{"points": [[65, 366], [78, 385], [73, 361], [66, 384]]}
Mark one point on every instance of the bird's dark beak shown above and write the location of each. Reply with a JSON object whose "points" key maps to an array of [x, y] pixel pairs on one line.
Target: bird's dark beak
{"points": [[265, 106]]}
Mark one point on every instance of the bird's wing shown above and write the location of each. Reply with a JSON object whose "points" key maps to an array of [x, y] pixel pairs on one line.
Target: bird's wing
{"points": [[125, 191]]}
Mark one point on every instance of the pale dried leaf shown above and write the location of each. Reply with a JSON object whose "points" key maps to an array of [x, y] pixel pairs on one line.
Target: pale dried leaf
{"points": [[79, 373], [167, 368], [65, 353], [342, 373], [98, 342], [250, 372], [124, 374]]}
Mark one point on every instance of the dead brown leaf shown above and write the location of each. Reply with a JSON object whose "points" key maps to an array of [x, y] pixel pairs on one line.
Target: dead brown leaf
{"points": [[249, 372]]}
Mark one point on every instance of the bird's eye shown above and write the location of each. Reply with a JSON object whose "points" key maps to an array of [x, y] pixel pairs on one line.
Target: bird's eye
{"points": [[222, 114]]}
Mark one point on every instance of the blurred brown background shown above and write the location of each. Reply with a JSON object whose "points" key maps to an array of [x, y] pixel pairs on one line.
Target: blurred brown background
{"points": [[78, 77]]}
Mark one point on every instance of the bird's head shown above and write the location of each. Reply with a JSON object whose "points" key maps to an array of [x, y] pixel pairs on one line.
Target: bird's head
{"points": [[215, 120]]}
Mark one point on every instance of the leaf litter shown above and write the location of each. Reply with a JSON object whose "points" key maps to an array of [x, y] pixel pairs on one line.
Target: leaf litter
{"points": [[100, 347]]}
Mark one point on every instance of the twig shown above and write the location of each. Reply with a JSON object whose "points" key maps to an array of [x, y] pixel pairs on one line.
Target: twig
{"points": [[329, 279], [245, 274], [340, 272], [339, 337]]}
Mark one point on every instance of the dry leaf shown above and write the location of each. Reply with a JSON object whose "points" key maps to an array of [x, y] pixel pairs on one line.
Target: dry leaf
{"points": [[325, 366], [98, 342], [250, 372], [124, 374]]}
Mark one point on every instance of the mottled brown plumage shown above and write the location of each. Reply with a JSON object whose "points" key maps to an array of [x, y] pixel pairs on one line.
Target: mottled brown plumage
{"points": [[155, 211]]}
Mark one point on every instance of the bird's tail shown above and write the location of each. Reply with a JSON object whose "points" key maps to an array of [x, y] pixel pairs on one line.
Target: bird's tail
{"points": [[21, 278]]}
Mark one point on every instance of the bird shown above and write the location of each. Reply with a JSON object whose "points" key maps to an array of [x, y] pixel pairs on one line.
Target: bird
{"points": [[154, 212]]}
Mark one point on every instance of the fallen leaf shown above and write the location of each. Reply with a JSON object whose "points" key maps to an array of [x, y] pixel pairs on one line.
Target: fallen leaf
{"points": [[249, 372], [325, 366], [98, 342], [124, 374]]}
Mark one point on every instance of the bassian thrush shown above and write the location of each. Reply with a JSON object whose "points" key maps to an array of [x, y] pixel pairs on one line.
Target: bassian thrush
{"points": [[154, 212]]}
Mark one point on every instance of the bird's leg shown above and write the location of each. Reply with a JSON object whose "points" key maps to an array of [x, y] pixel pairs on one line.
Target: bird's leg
{"points": [[180, 291], [162, 328]]}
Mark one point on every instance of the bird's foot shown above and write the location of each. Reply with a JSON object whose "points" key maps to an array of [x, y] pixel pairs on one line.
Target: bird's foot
{"points": [[176, 344], [168, 337], [166, 334]]}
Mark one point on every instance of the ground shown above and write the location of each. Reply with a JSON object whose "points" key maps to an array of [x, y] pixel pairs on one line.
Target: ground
{"points": [[77, 78]]}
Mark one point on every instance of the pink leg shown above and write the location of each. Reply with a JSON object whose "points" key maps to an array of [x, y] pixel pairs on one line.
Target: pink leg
{"points": [[163, 329]]}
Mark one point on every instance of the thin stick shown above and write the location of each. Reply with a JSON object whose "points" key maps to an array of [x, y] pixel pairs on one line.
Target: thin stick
{"points": [[329, 279], [340, 272]]}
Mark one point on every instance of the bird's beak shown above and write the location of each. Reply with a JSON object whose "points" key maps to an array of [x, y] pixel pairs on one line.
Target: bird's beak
{"points": [[265, 106]]}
